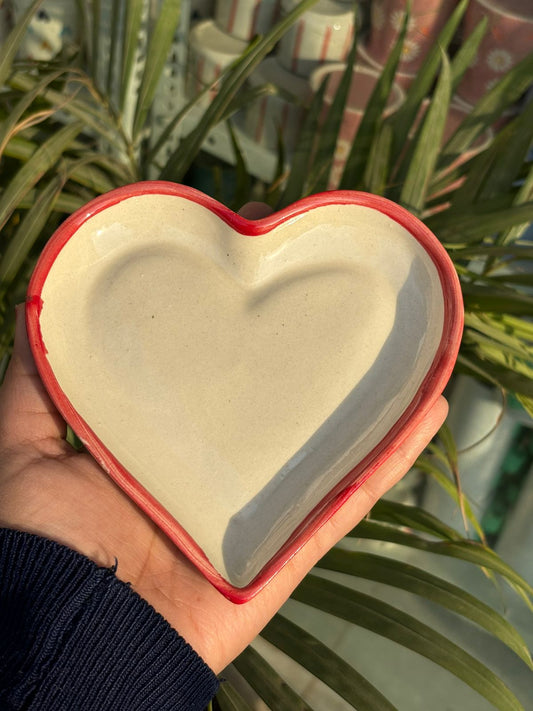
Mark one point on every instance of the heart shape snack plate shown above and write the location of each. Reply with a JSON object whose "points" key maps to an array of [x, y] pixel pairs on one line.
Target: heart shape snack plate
{"points": [[241, 379]]}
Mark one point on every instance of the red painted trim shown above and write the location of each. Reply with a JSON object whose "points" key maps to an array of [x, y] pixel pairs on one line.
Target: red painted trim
{"points": [[348, 43], [430, 389], [325, 45], [232, 14], [297, 45]]}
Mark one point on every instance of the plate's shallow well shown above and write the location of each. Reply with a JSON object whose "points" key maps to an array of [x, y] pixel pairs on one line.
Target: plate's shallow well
{"points": [[239, 379]]}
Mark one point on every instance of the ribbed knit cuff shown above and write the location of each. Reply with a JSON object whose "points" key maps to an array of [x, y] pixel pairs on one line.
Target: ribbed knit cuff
{"points": [[73, 636]]}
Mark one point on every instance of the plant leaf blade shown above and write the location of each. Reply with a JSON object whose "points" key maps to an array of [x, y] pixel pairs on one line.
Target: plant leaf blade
{"points": [[10, 46], [268, 683], [415, 580], [384, 619], [323, 663], [159, 45]]}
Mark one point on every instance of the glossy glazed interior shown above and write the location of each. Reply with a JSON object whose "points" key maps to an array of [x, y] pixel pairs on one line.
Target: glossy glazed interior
{"points": [[240, 378]]}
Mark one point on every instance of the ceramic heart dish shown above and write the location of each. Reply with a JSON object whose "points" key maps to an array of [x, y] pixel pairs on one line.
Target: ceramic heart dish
{"points": [[240, 380]]}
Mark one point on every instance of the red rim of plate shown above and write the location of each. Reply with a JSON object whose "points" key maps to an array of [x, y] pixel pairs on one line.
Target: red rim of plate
{"points": [[432, 386]]}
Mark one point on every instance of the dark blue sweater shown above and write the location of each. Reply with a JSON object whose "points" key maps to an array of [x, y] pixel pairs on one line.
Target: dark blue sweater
{"points": [[74, 637]]}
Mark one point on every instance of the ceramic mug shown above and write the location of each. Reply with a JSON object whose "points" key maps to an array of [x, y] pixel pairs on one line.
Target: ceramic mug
{"points": [[322, 34], [509, 38], [362, 85], [246, 18], [274, 114], [210, 52], [426, 20]]}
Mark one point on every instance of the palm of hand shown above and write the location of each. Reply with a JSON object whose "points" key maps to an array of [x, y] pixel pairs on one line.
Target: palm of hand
{"points": [[48, 488]]}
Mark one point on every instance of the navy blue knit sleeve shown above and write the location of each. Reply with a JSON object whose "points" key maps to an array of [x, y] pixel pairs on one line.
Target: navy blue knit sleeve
{"points": [[75, 637]]}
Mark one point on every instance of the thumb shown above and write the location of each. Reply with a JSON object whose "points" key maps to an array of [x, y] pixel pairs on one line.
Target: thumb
{"points": [[27, 413]]}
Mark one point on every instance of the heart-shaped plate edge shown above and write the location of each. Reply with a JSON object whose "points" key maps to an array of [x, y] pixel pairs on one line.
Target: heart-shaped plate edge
{"points": [[431, 388]]}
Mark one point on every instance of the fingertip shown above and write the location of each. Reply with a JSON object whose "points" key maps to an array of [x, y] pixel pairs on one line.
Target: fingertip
{"points": [[255, 210], [440, 410]]}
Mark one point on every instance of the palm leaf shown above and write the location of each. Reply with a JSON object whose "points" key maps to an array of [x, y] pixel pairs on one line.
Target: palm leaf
{"points": [[494, 328], [418, 582], [513, 252], [39, 163], [426, 464], [472, 363], [384, 619], [379, 161], [263, 678], [527, 404], [470, 551], [426, 151], [496, 299], [508, 152], [478, 221], [12, 123], [117, 13], [412, 517], [93, 115], [323, 663], [229, 698], [524, 194], [28, 232], [11, 44], [405, 117], [467, 53], [495, 357], [487, 347], [160, 42], [130, 50], [369, 128], [491, 107]]}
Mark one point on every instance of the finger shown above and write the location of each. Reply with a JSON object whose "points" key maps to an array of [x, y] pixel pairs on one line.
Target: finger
{"points": [[27, 413], [358, 505], [381, 481], [347, 517], [255, 210], [401, 461]]}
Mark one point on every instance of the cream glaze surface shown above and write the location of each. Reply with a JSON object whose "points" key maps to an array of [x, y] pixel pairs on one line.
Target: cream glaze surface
{"points": [[239, 378]]}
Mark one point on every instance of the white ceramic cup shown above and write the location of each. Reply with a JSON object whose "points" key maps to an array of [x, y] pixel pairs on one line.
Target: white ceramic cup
{"points": [[270, 116], [210, 52], [322, 34], [246, 18]]}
